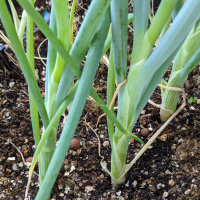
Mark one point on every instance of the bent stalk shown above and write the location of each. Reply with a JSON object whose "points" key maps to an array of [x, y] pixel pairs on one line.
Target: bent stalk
{"points": [[185, 61]]}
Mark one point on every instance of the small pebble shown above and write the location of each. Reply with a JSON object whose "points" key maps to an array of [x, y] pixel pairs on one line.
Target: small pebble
{"points": [[7, 114], [74, 153], [76, 187], [90, 143], [101, 176], [165, 194], [11, 84], [134, 184], [194, 187], [181, 140], [151, 129], [118, 193], [104, 194], [89, 188], [171, 182], [80, 169], [43, 73], [8, 170], [183, 129], [146, 173], [127, 184], [29, 159], [163, 137], [67, 189], [66, 174], [72, 168], [159, 186], [80, 184], [21, 164], [131, 140], [188, 191], [163, 185], [193, 180], [61, 194], [143, 185], [75, 144], [14, 167], [168, 172], [192, 108], [145, 132], [11, 158], [2, 196], [60, 186], [106, 143]]}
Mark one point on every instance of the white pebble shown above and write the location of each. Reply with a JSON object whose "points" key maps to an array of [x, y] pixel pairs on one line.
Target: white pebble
{"points": [[151, 129], [171, 182], [60, 186], [188, 191], [21, 164], [181, 140], [61, 194], [159, 186], [106, 143], [72, 168], [11, 84], [89, 188], [127, 184], [43, 73], [14, 167], [134, 184], [11, 158], [192, 108], [165, 194]]}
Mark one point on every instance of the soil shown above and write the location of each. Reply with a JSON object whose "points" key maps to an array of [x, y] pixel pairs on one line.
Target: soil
{"points": [[168, 170]]}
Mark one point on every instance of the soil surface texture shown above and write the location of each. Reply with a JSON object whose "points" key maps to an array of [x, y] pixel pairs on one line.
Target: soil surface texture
{"points": [[169, 169]]}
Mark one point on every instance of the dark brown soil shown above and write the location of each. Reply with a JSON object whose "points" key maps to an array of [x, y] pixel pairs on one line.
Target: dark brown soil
{"points": [[168, 170]]}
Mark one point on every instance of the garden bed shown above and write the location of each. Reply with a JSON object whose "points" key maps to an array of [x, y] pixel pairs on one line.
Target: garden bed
{"points": [[170, 169]]}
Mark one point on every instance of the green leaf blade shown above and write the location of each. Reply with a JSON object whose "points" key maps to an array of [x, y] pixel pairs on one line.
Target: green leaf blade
{"points": [[119, 17], [141, 15], [75, 112]]}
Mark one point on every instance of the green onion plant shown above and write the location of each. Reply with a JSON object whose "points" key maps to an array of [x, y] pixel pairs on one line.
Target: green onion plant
{"points": [[185, 61], [65, 56], [147, 66]]}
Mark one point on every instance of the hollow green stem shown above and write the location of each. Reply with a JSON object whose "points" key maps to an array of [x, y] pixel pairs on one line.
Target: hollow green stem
{"points": [[186, 59], [110, 93], [22, 26], [30, 56], [63, 34], [143, 47]]}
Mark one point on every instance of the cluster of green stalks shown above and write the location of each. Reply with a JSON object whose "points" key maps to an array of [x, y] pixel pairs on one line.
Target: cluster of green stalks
{"points": [[104, 28]]}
